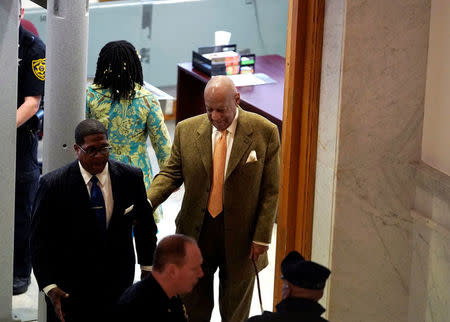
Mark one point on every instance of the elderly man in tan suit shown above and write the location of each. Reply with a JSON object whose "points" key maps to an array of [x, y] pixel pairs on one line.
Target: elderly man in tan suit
{"points": [[228, 160]]}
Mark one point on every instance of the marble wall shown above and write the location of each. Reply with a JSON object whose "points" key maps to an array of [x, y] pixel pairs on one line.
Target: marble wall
{"points": [[430, 270], [370, 132], [437, 100], [327, 134]]}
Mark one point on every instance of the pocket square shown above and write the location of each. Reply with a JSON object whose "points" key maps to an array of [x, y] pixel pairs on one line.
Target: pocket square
{"points": [[128, 209], [252, 157]]}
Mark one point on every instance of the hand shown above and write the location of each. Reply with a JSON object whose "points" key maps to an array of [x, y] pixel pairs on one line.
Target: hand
{"points": [[256, 250], [145, 274], [55, 295]]}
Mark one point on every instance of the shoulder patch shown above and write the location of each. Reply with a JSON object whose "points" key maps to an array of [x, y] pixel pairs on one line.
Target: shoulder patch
{"points": [[38, 67]]}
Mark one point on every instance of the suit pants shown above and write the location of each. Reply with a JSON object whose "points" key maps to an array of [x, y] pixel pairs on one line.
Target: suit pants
{"points": [[234, 296]]}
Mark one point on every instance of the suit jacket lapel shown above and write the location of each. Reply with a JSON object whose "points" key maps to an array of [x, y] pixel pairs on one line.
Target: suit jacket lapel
{"points": [[80, 191], [204, 145], [80, 195], [241, 142], [115, 185]]}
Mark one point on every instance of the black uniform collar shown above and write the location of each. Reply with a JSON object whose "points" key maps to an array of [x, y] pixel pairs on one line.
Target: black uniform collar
{"points": [[295, 304], [21, 33], [161, 294], [25, 37], [173, 304]]}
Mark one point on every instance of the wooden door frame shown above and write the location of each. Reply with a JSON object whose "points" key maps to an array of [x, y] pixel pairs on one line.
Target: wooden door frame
{"points": [[299, 132]]}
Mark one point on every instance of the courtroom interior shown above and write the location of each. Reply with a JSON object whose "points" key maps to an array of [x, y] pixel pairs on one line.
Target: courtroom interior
{"points": [[357, 92]]}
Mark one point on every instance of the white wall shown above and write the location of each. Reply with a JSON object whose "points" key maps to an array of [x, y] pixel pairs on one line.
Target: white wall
{"points": [[436, 129], [328, 134], [370, 133], [429, 296]]}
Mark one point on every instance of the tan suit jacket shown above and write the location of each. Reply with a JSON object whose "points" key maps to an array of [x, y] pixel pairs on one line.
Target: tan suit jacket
{"points": [[250, 188]]}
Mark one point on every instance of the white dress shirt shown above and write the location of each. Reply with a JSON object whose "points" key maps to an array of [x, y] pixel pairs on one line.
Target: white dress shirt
{"points": [[104, 183]]}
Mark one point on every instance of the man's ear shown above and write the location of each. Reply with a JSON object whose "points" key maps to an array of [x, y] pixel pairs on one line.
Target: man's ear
{"points": [[285, 290], [237, 98], [171, 270]]}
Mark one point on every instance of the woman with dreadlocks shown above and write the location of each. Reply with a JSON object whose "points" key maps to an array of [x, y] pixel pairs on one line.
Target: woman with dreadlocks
{"points": [[118, 99]]}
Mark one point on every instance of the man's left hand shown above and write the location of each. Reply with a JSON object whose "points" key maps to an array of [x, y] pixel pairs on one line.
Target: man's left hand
{"points": [[145, 274], [256, 250]]}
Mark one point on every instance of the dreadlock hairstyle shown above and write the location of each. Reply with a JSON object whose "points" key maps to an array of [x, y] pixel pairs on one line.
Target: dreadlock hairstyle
{"points": [[119, 68]]}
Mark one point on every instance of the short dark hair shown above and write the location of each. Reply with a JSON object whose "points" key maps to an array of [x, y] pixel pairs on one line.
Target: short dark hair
{"points": [[88, 127], [171, 250]]}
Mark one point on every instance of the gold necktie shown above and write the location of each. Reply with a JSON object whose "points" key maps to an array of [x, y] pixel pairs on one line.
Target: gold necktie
{"points": [[215, 201]]}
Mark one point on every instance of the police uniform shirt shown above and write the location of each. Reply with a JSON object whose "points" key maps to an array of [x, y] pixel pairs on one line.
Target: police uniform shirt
{"points": [[31, 66], [293, 310], [31, 78], [147, 301]]}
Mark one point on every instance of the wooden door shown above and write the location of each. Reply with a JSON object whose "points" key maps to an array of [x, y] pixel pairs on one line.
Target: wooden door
{"points": [[299, 133]]}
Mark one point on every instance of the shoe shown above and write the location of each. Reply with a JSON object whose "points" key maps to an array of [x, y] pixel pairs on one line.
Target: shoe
{"points": [[20, 285]]}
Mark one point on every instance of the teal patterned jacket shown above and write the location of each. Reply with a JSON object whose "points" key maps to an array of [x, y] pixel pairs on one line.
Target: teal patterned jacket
{"points": [[129, 123]]}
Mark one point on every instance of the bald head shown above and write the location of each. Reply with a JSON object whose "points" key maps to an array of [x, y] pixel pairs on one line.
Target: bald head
{"points": [[221, 101], [177, 264], [171, 250], [221, 84]]}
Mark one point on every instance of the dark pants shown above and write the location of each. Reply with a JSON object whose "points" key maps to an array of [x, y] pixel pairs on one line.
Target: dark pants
{"points": [[89, 306], [27, 180], [234, 296]]}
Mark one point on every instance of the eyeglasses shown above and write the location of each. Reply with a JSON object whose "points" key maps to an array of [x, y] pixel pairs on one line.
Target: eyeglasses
{"points": [[93, 151]]}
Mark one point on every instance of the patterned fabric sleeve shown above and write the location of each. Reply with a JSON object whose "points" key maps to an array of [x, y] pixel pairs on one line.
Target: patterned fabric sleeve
{"points": [[157, 131], [89, 97]]}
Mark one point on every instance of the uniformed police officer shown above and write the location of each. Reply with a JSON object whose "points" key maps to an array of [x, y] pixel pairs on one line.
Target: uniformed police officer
{"points": [[29, 93], [303, 284], [177, 267]]}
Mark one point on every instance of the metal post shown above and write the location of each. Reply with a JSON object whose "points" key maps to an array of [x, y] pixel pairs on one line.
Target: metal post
{"points": [[9, 22], [65, 83]]}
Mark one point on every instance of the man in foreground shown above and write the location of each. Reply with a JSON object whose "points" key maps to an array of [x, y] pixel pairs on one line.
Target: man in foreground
{"points": [[228, 160], [176, 270], [82, 245], [303, 284]]}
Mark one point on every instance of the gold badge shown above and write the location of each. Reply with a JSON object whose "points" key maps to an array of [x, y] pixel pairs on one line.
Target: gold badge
{"points": [[38, 67]]}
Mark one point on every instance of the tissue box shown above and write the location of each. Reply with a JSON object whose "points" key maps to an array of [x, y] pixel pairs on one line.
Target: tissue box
{"points": [[229, 58], [247, 64], [217, 60]]}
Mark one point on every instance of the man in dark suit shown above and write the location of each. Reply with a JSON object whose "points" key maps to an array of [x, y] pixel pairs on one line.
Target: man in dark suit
{"points": [[228, 160], [303, 284], [82, 246], [176, 270]]}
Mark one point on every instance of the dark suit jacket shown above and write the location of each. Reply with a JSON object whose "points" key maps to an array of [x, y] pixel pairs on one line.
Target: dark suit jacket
{"points": [[250, 188], [293, 310], [147, 301], [67, 248]]}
